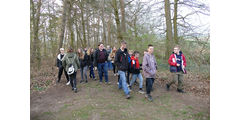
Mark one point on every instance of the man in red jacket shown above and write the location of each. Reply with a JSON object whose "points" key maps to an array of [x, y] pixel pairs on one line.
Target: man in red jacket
{"points": [[177, 62]]}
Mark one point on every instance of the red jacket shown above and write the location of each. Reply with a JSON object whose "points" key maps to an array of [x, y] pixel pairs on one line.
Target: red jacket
{"points": [[173, 62], [135, 61]]}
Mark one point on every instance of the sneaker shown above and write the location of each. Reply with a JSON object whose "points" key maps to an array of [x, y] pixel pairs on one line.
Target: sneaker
{"points": [[95, 79], [107, 83], [141, 91], [167, 87], [149, 97], [72, 89], [129, 89], [75, 90], [128, 96], [68, 83], [117, 83], [180, 91], [81, 81], [86, 81]]}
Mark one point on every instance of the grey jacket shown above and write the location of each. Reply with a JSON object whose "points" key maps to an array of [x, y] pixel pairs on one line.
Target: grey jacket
{"points": [[149, 66]]}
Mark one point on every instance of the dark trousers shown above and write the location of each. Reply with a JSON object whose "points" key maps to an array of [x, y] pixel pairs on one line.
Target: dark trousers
{"points": [[60, 71], [114, 68], [128, 75], [73, 80], [91, 75], [149, 84]]}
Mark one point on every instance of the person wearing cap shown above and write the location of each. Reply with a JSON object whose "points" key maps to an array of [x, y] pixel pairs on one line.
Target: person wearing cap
{"points": [[60, 67], [71, 63], [121, 61]]}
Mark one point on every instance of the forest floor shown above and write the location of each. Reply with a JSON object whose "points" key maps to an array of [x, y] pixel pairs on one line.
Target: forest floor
{"points": [[95, 101]]}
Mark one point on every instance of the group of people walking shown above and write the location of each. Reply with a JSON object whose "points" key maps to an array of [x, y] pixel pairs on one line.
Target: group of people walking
{"points": [[124, 63]]}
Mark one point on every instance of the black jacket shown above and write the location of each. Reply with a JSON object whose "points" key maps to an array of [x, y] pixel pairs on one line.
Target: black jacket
{"points": [[96, 56], [59, 60], [121, 60]]}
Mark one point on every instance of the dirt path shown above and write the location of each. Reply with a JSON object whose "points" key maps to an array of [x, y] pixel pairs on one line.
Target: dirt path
{"points": [[96, 101]]}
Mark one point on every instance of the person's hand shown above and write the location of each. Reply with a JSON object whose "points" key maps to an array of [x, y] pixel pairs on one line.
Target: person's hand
{"points": [[95, 68], [183, 67], [178, 64]]}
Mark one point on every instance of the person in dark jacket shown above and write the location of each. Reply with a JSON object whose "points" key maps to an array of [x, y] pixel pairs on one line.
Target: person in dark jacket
{"points": [[100, 61], [80, 54], [177, 62], [60, 67], [91, 74], [135, 70], [86, 63], [71, 63], [121, 61]]}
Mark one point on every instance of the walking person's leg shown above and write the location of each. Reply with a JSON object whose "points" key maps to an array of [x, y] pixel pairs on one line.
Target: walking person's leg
{"points": [[60, 71], [100, 72], [66, 75], [180, 83], [75, 81], [140, 81], [173, 81], [81, 71], [149, 87], [85, 73], [134, 77], [114, 69], [124, 83], [105, 72]]}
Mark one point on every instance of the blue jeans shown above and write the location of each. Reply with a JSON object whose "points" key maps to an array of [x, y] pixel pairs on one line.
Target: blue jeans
{"points": [[134, 77], [91, 75], [110, 67], [122, 82], [103, 67]]}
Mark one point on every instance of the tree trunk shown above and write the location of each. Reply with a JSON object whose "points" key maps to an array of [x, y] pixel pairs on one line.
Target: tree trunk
{"points": [[175, 22], [70, 19], [63, 23], [122, 4], [115, 8], [83, 26], [36, 42], [103, 22], [169, 29]]}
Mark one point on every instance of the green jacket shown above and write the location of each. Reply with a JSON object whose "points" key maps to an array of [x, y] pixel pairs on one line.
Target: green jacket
{"points": [[66, 62]]}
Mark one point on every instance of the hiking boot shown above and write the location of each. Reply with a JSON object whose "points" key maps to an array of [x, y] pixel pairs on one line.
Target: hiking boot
{"points": [[149, 97], [86, 81], [68, 83], [141, 91], [128, 96], [180, 91], [75, 90], [167, 87]]}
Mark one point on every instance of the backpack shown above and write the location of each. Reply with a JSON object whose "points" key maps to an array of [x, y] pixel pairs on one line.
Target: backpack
{"points": [[70, 65]]}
